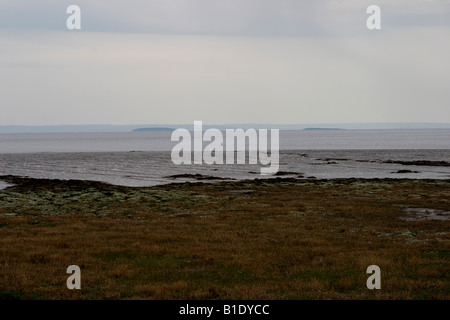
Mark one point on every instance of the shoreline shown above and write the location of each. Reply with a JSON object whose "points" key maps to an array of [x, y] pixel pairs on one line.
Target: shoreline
{"points": [[149, 169], [22, 182]]}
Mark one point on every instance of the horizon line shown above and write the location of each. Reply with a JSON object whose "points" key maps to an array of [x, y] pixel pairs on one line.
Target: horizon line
{"points": [[118, 128]]}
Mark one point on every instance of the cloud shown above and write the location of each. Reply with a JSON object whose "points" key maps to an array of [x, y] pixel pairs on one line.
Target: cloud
{"points": [[219, 17], [74, 78], [176, 61]]}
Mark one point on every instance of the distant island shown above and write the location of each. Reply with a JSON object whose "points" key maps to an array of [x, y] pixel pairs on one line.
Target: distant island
{"points": [[152, 129], [310, 129], [92, 128]]}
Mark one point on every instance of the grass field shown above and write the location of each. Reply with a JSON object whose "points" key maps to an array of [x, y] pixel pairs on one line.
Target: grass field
{"points": [[277, 239]]}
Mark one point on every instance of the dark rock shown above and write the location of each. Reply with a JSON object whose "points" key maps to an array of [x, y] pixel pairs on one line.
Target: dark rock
{"points": [[196, 177], [287, 173], [406, 171], [420, 163], [333, 159]]}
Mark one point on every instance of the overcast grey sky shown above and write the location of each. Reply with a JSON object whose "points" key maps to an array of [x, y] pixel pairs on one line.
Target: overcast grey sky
{"points": [[224, 61]]}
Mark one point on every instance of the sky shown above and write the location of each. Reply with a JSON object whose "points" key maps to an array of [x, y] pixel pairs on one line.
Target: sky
{"points": [[224, 61]]}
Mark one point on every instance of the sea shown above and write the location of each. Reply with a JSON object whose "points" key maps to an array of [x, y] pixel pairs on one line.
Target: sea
{"points": [[144, 158]]}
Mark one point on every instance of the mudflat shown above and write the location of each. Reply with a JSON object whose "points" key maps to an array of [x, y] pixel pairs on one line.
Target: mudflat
{"points": [[281, 238]]}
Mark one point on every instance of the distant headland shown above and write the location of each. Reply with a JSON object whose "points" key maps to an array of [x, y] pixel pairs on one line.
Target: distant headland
{"points": [[92, 128], [312, 129], [153, 129]]}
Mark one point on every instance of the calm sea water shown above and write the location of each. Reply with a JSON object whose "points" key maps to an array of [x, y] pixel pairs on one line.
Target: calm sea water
{"points": [[143, 159]]}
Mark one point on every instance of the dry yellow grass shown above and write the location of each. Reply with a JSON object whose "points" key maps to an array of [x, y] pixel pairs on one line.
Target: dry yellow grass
{"points": [[284, 240]]}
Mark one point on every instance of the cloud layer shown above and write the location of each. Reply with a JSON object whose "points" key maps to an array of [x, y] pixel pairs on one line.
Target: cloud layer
{"points": [[251, 61], [224, 17]]}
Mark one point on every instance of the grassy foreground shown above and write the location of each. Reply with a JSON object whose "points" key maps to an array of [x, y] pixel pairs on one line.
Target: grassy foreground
{"points": [[278, 239]]}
